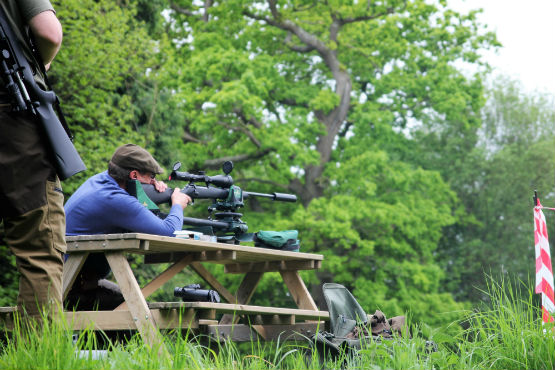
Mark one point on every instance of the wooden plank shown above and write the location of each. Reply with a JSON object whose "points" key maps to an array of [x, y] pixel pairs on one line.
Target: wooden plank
{"points": [[169, 257], [207, 322], [270, 319], [241, 268], [247, 287], [244, 293], [74, 238], [207, 314], [136, 302], [298, 290], [123, 320], [212, 281], [207, 256], [176, 318], [161, 279], [100, 320], [7, 317], [242, 309], [72, 266], [244, 333], [166, 243], [160, 244], [216, 256], [104, 245]]}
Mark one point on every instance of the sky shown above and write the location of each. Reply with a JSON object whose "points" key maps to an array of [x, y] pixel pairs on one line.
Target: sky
{"points": [[527, 31]]}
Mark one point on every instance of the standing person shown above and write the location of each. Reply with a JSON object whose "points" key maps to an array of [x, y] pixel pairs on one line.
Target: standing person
{"points": [[103, 205], [31, 199]]}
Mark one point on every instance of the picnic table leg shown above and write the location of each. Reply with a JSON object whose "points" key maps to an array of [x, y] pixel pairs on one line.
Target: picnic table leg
{"points": [[135, 300], [161, 279], [212, 281], [298, 290], [244, 293], [72, 266]]}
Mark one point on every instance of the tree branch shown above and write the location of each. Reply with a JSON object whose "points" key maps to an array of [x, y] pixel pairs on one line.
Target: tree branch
{"points": [[206, 15], [244, 130], [181, 10], [297, 48], [187, 137], [253, 121]]}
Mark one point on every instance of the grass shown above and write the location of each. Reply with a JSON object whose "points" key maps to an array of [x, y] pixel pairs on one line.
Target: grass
{"points": [[506, 334]]}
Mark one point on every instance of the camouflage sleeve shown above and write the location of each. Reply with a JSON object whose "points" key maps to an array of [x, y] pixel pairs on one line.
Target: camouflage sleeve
{"points": [[30, 8]]}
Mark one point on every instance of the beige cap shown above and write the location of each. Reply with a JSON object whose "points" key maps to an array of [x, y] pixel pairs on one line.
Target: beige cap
{"points": [[134, 157]]}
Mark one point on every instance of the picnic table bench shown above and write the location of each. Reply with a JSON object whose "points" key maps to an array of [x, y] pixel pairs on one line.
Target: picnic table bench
{"points": [[258, 322]]}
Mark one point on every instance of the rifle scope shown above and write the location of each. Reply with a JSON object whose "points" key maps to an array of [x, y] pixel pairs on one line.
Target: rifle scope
{"points": [[222, 181]]}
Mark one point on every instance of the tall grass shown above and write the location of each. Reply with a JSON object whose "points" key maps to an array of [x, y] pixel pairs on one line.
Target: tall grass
{"points": [[506, 334], [509, 334]]}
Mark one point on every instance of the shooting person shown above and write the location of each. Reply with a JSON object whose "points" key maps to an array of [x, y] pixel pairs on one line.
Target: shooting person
{"points": [[103, 205], [31, 199]]}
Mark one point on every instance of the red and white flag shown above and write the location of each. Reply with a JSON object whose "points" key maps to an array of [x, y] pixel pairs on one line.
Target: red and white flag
{"points": [[544, 271]]}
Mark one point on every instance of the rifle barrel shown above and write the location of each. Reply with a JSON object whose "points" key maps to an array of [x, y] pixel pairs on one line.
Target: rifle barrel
{"points": [[281, 197]]}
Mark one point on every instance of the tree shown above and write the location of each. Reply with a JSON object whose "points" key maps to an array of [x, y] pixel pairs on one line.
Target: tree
{"points": [[106, 53], [291, 79], [319, 99], [494, 171]]}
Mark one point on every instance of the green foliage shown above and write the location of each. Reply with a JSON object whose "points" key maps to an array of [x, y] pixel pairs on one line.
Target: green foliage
{"points": [[323, 114], [105, 52], [378, 233], [494, 170], [9, 278]]}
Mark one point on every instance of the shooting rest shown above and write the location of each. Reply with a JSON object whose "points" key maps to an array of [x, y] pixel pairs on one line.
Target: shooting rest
{"points": [[264, 323]]}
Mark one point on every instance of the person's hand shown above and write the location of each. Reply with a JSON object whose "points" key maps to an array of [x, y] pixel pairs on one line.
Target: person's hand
{"points": [[160, 186], [180, 198]]}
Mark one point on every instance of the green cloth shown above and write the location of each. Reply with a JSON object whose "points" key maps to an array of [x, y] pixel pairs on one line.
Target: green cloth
{"points": [[141, 195]]}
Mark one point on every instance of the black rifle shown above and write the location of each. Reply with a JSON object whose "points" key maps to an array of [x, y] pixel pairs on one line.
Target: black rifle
{"points": [[28, 96], [228, 198]]}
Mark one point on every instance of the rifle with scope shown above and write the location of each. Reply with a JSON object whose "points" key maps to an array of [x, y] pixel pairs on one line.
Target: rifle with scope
{"points": [[227, 199]]}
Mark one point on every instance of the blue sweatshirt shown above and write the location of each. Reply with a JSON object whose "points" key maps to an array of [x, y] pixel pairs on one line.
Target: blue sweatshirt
{"points": [[100, 206]]}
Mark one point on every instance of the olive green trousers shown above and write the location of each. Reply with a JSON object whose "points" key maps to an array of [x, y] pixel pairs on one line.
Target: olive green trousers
{"points": [[37, 238]]}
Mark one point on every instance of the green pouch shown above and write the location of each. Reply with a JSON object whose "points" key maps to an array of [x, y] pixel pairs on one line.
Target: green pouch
{"points": [[277, 239], [135, 189]]}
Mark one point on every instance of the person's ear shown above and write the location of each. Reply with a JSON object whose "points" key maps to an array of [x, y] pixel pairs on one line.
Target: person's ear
{"points": [[134, 175]]}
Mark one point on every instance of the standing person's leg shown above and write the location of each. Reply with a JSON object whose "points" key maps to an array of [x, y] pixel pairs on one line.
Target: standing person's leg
{"points": [[31, 208], [37, 238]]}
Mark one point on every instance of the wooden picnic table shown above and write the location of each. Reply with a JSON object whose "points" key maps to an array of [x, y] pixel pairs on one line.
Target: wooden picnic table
{"points": [[266, 323]]}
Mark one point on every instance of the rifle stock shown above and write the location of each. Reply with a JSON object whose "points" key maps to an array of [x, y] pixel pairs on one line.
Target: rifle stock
{"points": [[66, 158]]}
